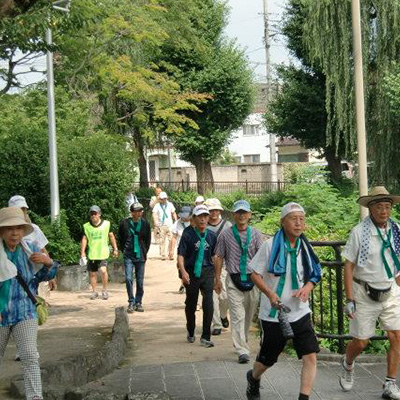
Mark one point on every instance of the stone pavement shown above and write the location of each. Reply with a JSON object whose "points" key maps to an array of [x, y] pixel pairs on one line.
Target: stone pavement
{"points": [[208, 380], [160, 360]]}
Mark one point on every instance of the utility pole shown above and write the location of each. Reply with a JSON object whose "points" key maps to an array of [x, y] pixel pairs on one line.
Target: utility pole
{"points": [[272, 149], [60, 5], [360, 107]]}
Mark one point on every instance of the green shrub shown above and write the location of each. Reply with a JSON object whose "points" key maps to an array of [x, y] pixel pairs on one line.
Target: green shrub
{"points": [[61, 246]]}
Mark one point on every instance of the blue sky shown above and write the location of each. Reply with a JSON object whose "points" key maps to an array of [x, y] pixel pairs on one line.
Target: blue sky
{"points": [[247, 26]]}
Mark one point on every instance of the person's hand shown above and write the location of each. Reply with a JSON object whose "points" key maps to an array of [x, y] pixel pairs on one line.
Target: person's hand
{"points": [[41, 258], [53, 284], [302, 293], [171, 255], [185, 278], [115, 253], [274, 300], [218, 285], [350, 309]]}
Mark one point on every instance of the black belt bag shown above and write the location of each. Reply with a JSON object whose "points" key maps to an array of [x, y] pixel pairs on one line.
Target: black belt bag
{"points": [[244, 286], [373, 293]]}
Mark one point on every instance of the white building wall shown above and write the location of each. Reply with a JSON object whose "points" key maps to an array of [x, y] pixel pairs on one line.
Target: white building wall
{"points": [[251, 139]]}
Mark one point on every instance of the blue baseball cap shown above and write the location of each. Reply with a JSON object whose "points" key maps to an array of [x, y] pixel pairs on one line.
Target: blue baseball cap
{"points": [[241, 205], [185, 212]]}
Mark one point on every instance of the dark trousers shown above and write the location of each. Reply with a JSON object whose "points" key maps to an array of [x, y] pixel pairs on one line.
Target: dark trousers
{"points": [[205, 285], [134, 271]]}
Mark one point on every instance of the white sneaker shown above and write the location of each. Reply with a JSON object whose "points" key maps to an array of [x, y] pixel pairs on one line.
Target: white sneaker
{"points": [[391, 391], [347, 379]]}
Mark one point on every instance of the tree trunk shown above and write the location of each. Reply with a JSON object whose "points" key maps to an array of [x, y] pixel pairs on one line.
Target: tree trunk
{"points": [[334, 165], [142, 161], [205, 180]]}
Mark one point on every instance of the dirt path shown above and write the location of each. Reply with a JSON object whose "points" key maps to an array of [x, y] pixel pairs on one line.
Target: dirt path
{"points": [[159, 334]]}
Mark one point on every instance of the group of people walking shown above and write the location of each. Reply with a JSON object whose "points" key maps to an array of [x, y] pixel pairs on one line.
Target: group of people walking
{"points": [[233, 266]]}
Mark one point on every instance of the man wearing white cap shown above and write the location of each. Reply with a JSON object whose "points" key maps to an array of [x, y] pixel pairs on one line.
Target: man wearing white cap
{"points": [[371, 265], [195, 262], [37, 237], [217, 225], [237, 247], [286, 270], [164, 216]]}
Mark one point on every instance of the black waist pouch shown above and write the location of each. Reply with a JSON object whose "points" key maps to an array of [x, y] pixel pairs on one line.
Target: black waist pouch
{"points": [[377, 294], [244, 286]]}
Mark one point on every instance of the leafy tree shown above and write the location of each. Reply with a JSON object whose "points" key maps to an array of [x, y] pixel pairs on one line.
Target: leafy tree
{"points": [[220, 70], [328, 35], [11, 8], [94, 167], [299, 109], [117, 49]]}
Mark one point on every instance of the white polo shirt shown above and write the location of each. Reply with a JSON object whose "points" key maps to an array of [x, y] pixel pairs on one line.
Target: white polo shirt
{"points": [[374, 271], [259, 264], [166, 219]]}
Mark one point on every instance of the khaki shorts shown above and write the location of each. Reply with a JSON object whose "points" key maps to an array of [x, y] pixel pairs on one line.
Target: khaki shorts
{"points": [[368, 312]]}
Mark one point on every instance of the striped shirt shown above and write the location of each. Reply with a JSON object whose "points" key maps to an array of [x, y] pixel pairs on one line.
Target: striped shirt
{"points": [[229, 250], [20, 307]]}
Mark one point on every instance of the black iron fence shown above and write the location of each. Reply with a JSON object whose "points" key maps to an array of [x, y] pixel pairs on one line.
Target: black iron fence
{"points": [[327, 301], [248, 187]]}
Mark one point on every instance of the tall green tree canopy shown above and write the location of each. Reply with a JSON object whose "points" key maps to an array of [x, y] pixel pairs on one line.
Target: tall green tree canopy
{"points": [[328, 36], [219, 68], [298, 110]]}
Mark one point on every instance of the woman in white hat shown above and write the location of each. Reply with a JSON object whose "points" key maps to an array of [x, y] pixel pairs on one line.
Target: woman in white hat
{"points": [[19, 317]]}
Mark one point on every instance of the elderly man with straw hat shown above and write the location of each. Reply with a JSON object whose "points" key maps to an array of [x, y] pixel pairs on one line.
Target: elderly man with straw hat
{"points": [[371, 265], [19, 317]]}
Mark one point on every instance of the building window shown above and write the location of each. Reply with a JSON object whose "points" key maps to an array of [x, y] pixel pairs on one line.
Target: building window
{"points": [[251, 130], [251, 158]]}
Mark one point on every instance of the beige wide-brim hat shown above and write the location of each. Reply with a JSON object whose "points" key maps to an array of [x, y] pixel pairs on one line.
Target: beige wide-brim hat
{"points": [[14, 216], [376, 194]]}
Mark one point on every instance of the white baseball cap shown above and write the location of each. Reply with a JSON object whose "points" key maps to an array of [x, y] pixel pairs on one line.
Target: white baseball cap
{"points": [[17, 201], [200, 209], [291, 207], [163, 195]]}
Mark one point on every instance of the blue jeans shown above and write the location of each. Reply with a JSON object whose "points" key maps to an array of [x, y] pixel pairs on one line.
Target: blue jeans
{"points": [[134, 270]]}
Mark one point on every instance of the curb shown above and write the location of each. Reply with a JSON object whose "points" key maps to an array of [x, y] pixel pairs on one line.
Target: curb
{"points": [[79, 370], [362, 358]]}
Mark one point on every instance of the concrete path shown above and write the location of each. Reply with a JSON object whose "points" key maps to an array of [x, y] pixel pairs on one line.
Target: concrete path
{"points": [[161, 360]]}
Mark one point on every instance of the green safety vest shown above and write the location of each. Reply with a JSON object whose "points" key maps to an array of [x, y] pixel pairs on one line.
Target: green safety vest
{"points": [[97, 237]]}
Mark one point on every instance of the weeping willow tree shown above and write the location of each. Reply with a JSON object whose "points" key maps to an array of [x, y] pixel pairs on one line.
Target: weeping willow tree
{"points": [[328, 36]]}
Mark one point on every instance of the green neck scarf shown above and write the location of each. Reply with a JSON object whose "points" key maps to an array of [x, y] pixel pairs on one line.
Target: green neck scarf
{"points": [[292, 251], [243, 248], [135, 233], [386, 244], [165, 216], [293, 270], [200, 254]]}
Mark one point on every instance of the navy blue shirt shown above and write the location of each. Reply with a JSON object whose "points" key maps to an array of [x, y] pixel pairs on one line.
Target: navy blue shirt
{"points": [[189, 248]]}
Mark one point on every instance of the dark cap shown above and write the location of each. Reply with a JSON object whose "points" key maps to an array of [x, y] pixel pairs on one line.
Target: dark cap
{"points": [[95, 209]]}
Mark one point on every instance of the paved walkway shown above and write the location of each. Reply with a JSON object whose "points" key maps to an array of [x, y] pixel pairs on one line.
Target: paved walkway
{"points": [[160, 359]]}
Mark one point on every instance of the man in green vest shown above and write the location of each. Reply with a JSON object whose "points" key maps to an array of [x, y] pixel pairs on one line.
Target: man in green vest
{"points": [[96, 236]]}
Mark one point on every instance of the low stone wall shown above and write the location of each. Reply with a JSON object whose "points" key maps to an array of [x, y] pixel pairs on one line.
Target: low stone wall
{"points": [[60, 377]]}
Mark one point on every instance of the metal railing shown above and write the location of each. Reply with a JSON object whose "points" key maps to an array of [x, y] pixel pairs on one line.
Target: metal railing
{"points": [[248, 187], [327, 301]]}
